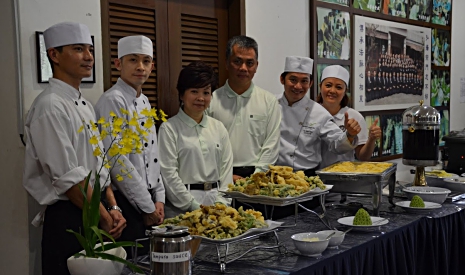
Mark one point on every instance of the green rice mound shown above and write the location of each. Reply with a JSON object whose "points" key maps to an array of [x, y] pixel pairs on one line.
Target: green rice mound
{"points": [[417, 201], [362, 217]]}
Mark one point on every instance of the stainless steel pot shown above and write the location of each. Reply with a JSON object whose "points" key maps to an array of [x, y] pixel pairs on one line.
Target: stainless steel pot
{"points": [[170, 250]]}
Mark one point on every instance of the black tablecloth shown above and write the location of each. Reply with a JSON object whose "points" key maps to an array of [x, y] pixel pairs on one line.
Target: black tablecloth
{"points": [[408, 244]]}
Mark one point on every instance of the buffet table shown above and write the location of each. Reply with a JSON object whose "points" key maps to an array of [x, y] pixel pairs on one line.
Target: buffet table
{"points": [[408, 244]]}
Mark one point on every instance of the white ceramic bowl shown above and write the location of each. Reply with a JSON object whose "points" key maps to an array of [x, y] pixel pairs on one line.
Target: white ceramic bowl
{"points": [[427, 193], [310, 248], [335, 239], [87, 266]]}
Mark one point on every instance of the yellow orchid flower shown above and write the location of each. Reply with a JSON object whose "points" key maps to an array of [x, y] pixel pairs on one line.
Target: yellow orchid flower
{"points": [[93, 140], [119, 177], [124, 111], [112, 114], [81, 129], [101, 120], [97, 152]]}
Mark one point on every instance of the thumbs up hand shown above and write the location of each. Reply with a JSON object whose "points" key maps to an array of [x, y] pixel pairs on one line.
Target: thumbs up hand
{"points": [[351, 125], [375, 131]]}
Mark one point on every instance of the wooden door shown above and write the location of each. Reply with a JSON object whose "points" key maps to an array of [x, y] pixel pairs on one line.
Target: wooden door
{"points": [[182, 31]]}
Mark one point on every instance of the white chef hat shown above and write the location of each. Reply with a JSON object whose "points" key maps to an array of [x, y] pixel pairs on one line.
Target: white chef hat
{"points": [[298, 64], [137, 44], [67, 33], [336, 71]]}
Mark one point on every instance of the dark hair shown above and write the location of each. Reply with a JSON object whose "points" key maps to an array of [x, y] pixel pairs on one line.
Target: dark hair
{"points": [[344, 101], [243, 42], [60, 50], [197, 74]]}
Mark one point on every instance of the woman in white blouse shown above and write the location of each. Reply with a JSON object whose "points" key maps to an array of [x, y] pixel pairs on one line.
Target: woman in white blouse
{"points": [[195, 152]]}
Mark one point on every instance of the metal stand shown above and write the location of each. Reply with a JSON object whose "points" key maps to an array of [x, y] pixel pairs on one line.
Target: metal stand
{"points": [[223, 249]]}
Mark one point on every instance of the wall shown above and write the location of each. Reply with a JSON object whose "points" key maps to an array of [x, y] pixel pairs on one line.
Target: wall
{"points": [[280, 28], [14, 202], [39, 15]]}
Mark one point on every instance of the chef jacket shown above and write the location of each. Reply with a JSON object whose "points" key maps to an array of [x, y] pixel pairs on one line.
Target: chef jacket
{"points": [[305, 127], [145, 166], [57, 156], [191, 153], [252, 120], [330, 157]]}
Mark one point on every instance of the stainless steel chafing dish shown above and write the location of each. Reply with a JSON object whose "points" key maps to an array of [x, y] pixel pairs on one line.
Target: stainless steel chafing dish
{"points": [[362, 183]]}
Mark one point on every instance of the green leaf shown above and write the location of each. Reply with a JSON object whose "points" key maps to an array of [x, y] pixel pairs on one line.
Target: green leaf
{"points": [[103, 232], [94, 216], [109, 246], [110, 257], [97, 233], [83, 242]]}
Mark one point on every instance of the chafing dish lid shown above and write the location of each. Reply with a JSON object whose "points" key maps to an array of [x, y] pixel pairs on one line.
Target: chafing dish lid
{"points": [[455, 137], [168, 230], [421, 114]]}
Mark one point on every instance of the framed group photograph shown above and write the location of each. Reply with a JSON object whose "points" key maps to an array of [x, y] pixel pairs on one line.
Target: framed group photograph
{"points": [[44, 69], [333, 34], [392, 64]]}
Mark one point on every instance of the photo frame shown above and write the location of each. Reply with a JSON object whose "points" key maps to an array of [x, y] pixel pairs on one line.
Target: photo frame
{"points": [[367, 5], [44, 69], [391, 127], [339, 2], [397, 8], [440, 48], [392, 64], [441, 13], [440, 88], [333, 34], [420, 10]]}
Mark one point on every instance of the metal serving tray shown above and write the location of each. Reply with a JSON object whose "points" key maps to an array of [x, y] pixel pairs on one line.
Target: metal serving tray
{"points": [[276, 201], [362, 183]]}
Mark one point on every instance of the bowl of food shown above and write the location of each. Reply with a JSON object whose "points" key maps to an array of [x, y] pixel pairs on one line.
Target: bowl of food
{"points": [[427, 193], [336, 239], [311, 244]]}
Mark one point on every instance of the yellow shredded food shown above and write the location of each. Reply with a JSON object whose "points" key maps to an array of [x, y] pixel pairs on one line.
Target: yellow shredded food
{"points": [[279, 181], [359, 167], [438, 173], [219, 221]]}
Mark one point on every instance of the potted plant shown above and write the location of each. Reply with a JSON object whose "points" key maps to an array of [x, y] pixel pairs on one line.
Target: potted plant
{"points": [[97, 256]]}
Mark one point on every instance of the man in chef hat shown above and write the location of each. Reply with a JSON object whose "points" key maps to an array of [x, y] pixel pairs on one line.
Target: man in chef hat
{"points": [[305, 123], [142, 196], [58, 158]]}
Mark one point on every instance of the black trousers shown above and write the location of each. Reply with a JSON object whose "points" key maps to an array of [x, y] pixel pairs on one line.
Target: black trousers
{"points": [[135, 228], [57, 244]]}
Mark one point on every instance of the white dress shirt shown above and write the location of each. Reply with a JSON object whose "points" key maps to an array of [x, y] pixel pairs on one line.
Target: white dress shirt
{"points": [[252, 120], [145, 166], [339, 118], [190, 153], [305, 127], [57, 156]]}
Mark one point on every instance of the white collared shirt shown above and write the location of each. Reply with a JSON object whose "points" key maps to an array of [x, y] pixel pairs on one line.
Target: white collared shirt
{"points": [[339, 118], [192, 152], [252, 120], [57, 156], [145, 166], [305, 127]]}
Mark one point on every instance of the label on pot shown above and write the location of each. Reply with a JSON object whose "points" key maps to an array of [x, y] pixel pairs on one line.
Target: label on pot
{"points": [[175, 257]]}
